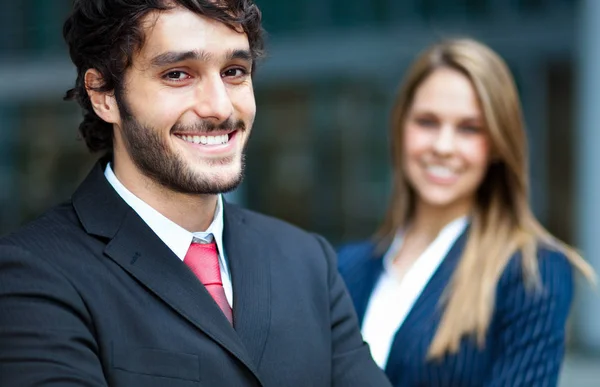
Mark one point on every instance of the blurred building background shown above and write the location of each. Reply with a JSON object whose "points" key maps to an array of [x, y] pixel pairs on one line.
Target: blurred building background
{"points": [[318, 156]]}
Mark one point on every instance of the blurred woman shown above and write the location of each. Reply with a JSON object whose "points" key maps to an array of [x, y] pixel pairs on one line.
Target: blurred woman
{"points": [[461, 285]]}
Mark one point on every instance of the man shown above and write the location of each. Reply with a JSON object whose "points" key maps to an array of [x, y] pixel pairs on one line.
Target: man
{"points": [[146, 277]]}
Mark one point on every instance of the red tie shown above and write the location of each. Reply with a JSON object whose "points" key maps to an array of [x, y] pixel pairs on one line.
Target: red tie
{"points": [[203, 260]]}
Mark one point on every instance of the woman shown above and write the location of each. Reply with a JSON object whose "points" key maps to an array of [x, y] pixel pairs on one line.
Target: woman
{"points": [[461, 285]]}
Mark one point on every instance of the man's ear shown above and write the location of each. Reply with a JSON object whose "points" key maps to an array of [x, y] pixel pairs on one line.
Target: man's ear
{"points": [[103, 102]]}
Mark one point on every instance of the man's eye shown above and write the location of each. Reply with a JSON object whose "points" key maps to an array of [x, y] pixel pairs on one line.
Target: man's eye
{"points": [[235, 72], [176, 75]]}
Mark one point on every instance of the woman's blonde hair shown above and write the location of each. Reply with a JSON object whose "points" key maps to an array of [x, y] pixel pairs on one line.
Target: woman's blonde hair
{"points": [[502, 222]]}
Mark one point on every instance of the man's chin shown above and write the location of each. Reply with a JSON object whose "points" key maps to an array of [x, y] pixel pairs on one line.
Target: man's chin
{"points": [[208, 179], [220, 182], [229, 183], [215, 188]]}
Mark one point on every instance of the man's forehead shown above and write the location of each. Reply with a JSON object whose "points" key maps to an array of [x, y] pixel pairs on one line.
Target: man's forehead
{"points": [[179, 29]]}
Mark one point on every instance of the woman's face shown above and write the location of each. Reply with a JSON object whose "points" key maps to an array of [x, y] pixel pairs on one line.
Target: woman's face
{"points": [[446, 146]]}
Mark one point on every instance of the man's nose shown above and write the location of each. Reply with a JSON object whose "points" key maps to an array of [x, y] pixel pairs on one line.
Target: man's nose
{"points": [[213, 101]]}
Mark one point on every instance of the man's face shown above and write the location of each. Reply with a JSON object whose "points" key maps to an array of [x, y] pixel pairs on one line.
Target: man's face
{"points": [[187, 104]]}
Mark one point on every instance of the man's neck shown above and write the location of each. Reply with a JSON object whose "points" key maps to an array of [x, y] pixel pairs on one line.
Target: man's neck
{"points": [[193, 212]]}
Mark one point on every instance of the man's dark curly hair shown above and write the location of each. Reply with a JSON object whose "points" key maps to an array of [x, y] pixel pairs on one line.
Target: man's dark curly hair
{"points": [[104, 35]]}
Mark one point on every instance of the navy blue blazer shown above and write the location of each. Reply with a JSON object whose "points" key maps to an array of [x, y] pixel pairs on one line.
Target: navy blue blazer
{"points": [[525, 341]]}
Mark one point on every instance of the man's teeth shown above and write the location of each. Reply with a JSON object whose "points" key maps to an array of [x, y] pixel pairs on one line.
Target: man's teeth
{"points": [[207, 140], [442, 172]]}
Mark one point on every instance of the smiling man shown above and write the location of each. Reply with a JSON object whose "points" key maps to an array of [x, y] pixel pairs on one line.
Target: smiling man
{"points": [[147, 277]]}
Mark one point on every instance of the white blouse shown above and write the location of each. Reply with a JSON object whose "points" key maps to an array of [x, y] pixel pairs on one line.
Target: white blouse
{"points": [[393, 298]]}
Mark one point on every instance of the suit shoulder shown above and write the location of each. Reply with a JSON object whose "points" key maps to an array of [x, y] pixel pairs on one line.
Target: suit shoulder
{"points": [[289, 242], [50, 228], [269, 224], [555, 279], [552, 264], [556, 272]]}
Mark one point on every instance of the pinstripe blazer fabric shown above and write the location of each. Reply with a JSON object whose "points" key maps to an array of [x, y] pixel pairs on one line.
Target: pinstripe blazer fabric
{"points": [[525, 340]]}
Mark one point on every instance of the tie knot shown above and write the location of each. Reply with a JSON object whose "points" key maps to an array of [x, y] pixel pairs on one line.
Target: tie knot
{"points": [[203, 260]]}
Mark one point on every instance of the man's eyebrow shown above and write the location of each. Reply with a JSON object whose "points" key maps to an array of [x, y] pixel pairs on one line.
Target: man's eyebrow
{"points": [[173, 57], [239, 54]]}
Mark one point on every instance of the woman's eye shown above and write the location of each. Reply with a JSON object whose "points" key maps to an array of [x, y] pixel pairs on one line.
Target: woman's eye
{"points": [[470, 129], [426, 122]]}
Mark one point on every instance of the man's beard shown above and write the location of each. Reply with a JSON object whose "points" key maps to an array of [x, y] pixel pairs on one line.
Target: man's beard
{"points": [[153, 157]]}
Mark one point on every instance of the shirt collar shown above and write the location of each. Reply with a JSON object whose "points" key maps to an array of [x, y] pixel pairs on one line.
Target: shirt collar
{"points": [[445, 239], [215, 230], [174, 236]]}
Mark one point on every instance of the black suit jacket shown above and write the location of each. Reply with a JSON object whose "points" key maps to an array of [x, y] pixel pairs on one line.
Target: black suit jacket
{"points": [[90, 296]]}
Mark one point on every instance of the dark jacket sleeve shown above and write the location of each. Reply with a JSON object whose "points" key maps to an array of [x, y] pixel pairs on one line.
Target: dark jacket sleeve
{"points": [[352, 364], [531, 324], [46, 334]]}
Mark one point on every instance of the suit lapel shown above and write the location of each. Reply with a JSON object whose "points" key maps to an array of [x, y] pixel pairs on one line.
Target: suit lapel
{"points": [[361, 279], [431, 295], [251, 277], [137, 249]]}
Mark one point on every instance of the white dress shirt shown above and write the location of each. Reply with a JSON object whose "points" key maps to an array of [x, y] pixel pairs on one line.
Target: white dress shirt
{"points": [[174, 236], [392, 299]]}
